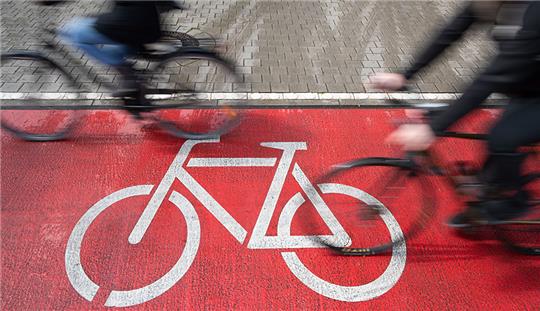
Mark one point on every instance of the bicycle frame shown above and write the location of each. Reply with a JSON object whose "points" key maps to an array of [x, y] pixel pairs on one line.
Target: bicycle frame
{"points": [[435, 165]]}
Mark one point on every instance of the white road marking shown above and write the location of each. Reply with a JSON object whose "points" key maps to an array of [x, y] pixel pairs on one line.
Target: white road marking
{"points": [[231, 162], [126, 298], [255, 96], [362, 292]]}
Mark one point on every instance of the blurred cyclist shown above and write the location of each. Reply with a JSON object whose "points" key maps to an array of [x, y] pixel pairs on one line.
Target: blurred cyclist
{"points": [[113, 36], [514, 71]]}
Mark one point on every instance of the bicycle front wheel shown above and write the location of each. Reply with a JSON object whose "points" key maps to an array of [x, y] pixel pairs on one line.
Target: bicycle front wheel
{"points": [[383, 192], [34, 91], [192, 95]]}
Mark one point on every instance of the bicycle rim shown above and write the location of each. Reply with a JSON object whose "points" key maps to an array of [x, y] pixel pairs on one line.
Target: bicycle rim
{"points": [[31, 108], [182, 93], [388, 203], [523, 233]]}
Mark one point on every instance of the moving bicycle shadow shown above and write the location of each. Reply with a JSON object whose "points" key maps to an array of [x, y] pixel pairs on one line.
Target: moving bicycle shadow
{"points": [[513, 273], [521, 273], [118, 127], [425, 253]]}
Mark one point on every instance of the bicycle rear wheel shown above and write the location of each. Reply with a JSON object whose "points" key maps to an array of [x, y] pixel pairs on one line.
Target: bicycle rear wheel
{"points": [[523, 234], [184, 91], [31, 89], [389, 189]]}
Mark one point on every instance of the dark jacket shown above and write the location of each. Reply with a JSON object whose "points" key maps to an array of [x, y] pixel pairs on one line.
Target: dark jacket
{"points": [[514, 71], [131, 22]]}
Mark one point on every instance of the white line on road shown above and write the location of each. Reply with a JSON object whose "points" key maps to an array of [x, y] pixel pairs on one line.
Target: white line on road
{"points": [[231, 162], [249, 96]]}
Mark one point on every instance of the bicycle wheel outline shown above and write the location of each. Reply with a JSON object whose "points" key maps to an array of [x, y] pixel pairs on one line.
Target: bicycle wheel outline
{"points": [[386, 281], [38, 58], [193, 55], [88, 289]]}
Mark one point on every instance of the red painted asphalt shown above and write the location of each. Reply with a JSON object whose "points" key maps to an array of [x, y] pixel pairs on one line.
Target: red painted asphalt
{"points": [[52, 195]]}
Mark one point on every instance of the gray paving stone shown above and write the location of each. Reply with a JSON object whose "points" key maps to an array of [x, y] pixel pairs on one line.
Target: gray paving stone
{"points": [[301, 87], [10, 86], [427, 87], [355, 87], [66, 87], [445, 88], [260, 87], [242, 87], [318, 45], [279, 87], [50, 87], [29, 78], [317, 87], [30, 87], [289, 78], [49, 78], [336, 87]]}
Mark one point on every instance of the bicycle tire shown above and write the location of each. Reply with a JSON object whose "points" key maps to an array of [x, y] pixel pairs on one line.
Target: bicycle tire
{"points": [[171, 42], [27, 112], [185, 39], [392, 169], [522, 234], [184, 107]]}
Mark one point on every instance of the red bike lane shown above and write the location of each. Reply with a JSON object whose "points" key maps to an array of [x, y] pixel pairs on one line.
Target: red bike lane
{"points": [[68, 209]]}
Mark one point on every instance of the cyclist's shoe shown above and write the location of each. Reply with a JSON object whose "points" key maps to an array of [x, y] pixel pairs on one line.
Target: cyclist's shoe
{"points": [[471, 216], [128, 89], [126, 92], [508, 209], [491, 212], [136, 106]]}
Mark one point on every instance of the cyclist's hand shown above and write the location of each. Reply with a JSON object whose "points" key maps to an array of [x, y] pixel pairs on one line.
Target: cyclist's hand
{"points": [[412, 137], [388, 81], [416, 115]]}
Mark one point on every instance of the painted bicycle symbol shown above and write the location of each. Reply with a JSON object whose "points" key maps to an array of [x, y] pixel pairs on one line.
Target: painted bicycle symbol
{"points": [[259, 238]]}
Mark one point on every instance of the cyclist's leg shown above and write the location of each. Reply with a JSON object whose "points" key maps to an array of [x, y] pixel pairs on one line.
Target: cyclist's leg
{"points": [[518, 126], [502, 198], [81, 33]]}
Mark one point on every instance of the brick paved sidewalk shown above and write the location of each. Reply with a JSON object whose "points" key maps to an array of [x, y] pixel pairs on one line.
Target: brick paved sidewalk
{"points": [[285, 46]]}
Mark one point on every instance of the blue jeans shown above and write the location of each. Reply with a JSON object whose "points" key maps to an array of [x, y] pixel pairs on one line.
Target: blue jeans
{"points": [[81, 33]]}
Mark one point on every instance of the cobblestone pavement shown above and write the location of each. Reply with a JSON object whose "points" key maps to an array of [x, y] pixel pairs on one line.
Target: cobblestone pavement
{"points": [[280, 46]]}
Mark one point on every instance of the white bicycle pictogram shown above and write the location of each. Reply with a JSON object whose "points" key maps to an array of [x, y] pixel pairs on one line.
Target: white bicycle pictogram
{"points": [[259, 238]]}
